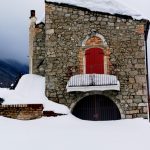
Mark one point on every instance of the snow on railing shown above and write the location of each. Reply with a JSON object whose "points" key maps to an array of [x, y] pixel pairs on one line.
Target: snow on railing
{"points": [[92, 80]]}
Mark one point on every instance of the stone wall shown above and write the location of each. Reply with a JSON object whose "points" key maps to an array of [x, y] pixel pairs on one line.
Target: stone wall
{"points": [[67, 27], [26, 111], [38, 49], [22, 112]]}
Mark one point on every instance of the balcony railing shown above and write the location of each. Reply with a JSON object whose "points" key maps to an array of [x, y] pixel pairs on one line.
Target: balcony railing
{"points": [[93, 82]]}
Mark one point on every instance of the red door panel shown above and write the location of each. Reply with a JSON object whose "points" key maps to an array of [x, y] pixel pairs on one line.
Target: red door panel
{"points": [[94, 61]]}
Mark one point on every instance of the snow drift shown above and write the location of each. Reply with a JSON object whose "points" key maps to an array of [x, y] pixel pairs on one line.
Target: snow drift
{"points": [[31, 90], [69, 133]]}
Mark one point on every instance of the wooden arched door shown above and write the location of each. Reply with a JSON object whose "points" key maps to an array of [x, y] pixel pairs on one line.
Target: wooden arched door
{"points": [[94, 61], [96, 108]]}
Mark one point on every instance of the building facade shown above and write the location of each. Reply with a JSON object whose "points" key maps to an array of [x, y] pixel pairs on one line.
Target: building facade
{"points": [[94, 62]]}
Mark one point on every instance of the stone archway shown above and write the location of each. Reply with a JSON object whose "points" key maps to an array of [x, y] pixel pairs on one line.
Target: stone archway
{"points": [[94, 38], [96, 108]]}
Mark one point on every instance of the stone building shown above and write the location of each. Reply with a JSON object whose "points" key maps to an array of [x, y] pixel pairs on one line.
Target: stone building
{"points": [[93, 56]]}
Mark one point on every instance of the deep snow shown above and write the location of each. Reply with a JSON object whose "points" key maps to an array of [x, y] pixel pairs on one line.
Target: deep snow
{"points": [[70, 133], [65, 132]]}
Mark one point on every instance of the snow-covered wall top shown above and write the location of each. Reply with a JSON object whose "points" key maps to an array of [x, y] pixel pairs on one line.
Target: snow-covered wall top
{"points": [[106, 6]]}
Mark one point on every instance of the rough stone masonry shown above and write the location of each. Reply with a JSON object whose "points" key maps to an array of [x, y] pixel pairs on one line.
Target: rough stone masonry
{"points": [[58, 47]]}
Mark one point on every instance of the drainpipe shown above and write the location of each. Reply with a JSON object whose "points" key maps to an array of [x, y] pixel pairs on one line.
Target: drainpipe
{"points": [[147, 73]]}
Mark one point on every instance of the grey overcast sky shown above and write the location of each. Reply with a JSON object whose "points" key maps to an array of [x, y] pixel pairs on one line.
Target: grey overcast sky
{"points": [[14, 23]]}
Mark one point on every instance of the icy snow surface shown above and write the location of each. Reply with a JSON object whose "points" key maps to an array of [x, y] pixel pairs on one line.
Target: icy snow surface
{"points": [[70, 133], [31, 90], [107, 6]]}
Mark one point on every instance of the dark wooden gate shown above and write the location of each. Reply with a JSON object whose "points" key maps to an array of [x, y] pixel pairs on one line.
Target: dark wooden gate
{"points": [[96, 107]]}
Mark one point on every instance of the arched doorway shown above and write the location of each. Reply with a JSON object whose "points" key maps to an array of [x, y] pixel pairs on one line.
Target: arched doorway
{"points": [[96, 107], [94, 61]]}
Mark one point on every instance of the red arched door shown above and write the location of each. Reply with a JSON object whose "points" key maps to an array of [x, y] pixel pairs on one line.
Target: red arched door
{"points": [[94, 61]]}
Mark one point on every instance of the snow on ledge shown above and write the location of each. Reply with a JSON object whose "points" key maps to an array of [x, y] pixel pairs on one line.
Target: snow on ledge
{"points": [[92, 82], [106, 6], [94, 88]]}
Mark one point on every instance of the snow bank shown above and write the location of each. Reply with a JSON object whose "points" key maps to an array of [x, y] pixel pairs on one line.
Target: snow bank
{"points": [[31, 90], [69, 133], [107, 6], [3, 91]]}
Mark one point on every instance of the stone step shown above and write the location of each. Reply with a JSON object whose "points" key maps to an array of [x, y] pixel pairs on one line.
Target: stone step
{"points": [[51, 114]]}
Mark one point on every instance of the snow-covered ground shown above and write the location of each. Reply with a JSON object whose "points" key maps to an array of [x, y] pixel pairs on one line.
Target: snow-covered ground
{"points": [[65, 132], [31, 90], [70, 133]]}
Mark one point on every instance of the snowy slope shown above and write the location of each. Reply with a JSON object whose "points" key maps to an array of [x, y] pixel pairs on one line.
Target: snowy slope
{"points": [[31, 90], [107, 6], [70, 133]]}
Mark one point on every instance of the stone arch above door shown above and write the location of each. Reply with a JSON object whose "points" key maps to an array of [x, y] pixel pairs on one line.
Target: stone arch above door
{"points": [[94, 40], [97, 38]]}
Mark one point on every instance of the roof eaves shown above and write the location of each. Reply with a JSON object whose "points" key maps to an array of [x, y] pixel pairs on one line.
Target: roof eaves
{"points": [[86, 9]]}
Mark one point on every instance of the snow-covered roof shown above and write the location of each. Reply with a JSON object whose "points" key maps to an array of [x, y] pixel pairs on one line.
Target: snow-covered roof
{"points": [[106, 6]]}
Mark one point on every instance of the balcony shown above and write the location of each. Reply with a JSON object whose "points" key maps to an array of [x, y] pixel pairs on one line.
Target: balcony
{"points": [[92, 82]]}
